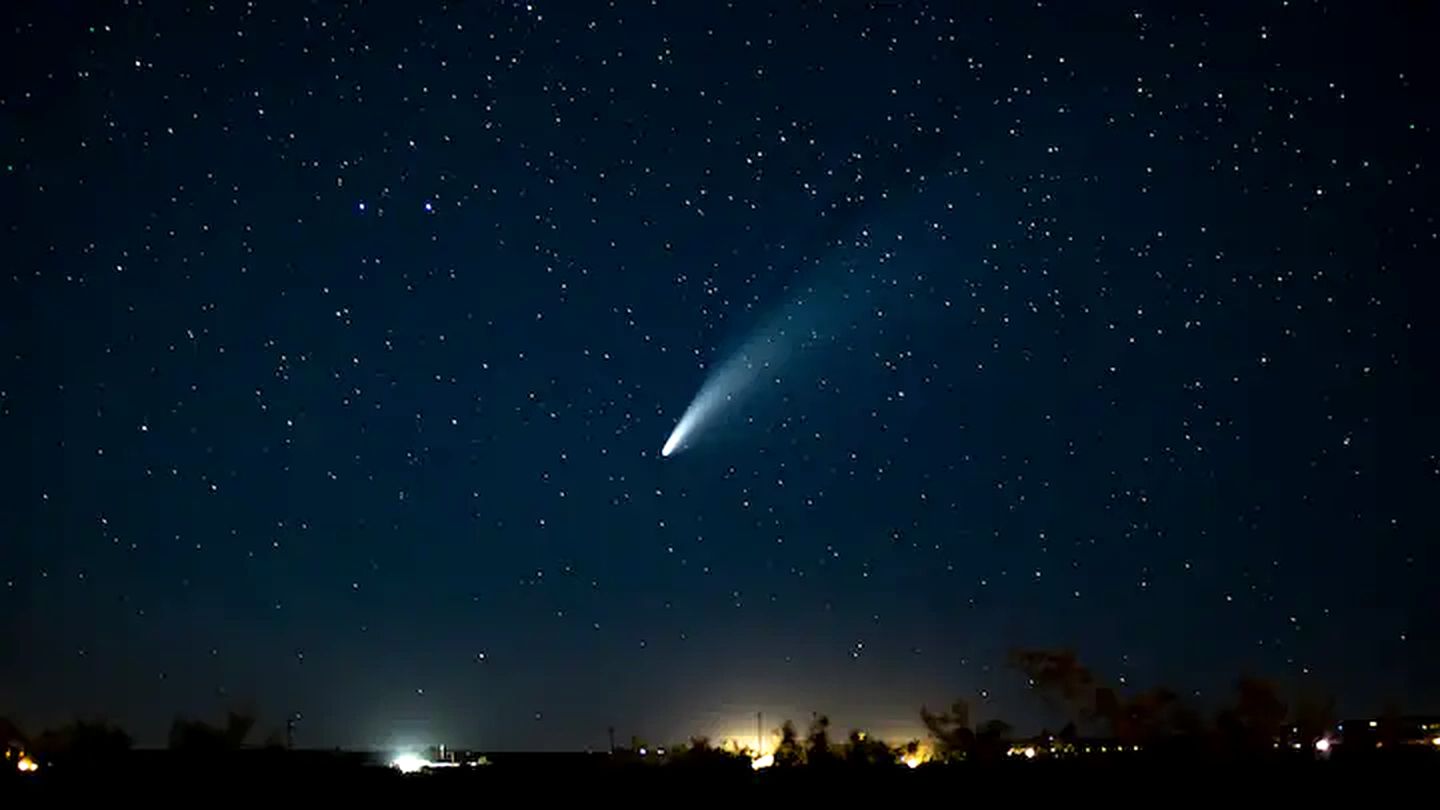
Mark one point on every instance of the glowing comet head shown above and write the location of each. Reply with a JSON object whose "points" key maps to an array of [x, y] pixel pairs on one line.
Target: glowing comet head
{"points": [[700, 410], [682, 430]]}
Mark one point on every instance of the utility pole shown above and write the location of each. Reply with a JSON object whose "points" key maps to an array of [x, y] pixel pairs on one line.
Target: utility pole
{"points": [[611, 732], [759, 733]]}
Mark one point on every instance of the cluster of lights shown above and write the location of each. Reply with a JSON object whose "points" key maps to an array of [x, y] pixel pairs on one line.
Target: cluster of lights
{"points": [[1325, 744], [408, 762], [760, 762], [24, 763], [1031, 751], [413, 763]]}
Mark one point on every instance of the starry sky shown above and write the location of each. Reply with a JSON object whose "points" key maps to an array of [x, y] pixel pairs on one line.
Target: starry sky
{"points": [[339, 341]]}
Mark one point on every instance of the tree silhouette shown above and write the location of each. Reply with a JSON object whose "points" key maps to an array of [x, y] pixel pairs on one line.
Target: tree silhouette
{"points": [[1059, 676], [992, 739], [84, 741], [1256, 720], [1312, 717], [1151, 717], [790, 753], [817, 742], [950, 730], [865, 751], [198, 736], [994, 728], [699, 753]]}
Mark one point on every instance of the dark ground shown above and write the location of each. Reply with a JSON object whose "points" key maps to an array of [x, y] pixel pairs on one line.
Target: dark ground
{"points": [[331, 778]]}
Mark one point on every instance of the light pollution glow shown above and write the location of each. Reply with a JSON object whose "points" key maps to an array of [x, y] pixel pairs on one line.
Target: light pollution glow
{"points": [[761, 747]]}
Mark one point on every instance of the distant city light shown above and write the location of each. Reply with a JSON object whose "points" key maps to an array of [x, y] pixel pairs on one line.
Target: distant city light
{"points": [[912, 760], [1029, 752], [762, 762], [1435, 742], [26, 765], [1323, 745], [408, 763]]}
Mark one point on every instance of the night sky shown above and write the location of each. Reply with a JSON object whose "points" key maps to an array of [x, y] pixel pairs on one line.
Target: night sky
{"points": [[339, 342]]}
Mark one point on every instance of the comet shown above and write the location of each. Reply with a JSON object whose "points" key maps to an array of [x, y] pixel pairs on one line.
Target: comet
{"points": [[805, 324], [733, 381], [821, 314], [686, 425]]}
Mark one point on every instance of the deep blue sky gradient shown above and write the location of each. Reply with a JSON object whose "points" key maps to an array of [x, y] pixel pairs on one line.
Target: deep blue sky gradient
{"points": [[340, 341]]}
